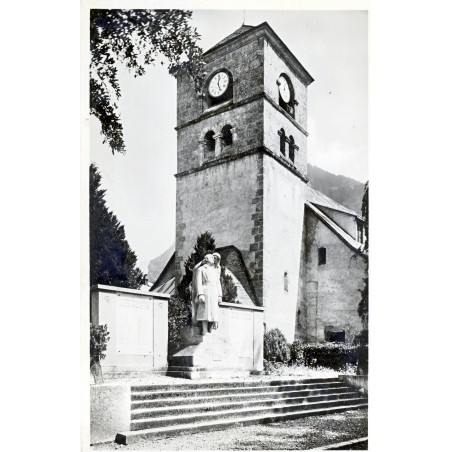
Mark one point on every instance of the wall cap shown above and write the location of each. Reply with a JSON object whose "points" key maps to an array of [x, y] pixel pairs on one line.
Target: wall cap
{"points": [[242, 306], [105, 288]]}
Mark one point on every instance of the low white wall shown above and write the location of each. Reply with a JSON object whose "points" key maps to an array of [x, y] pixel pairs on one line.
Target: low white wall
{"points": [[243, 326], [138, 325], [109, 411]]}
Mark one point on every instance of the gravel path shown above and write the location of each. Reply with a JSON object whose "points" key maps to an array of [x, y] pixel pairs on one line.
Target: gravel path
{"points": [[300, 434]]}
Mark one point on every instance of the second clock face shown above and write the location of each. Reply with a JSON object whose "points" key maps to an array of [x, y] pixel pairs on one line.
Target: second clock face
{"points": [[284, 89], [219, 84]]}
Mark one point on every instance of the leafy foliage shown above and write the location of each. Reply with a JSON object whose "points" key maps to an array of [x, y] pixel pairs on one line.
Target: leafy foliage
{"points": [[135, 38], [332, 355], [178, 317], [99, 336], [296, 352], [363, 306], [112, 262], [276, 347]]}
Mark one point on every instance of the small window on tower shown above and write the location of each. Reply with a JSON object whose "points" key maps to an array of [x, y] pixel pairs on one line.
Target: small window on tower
{"points": [[286, 282], [322, 256], [226, 131], [291, 149], [282, 141], [209, 143]]}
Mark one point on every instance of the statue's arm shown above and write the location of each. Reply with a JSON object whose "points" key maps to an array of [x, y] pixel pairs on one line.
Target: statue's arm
{"points": [[199, 287]]}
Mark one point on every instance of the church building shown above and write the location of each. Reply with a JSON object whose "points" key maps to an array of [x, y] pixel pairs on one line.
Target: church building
{"points": [[242, 175]]}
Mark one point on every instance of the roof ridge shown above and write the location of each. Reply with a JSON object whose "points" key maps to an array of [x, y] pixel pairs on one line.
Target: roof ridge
{"points": [[331, 201], [242, 29]]}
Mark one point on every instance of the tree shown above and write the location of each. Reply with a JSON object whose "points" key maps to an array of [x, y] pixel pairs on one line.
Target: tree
{"points": [[363, 306], [135, 38], [205, 244], [112, 262]]}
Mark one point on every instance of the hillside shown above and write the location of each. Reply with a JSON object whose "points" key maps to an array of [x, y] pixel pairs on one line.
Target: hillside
{"points": [[157, 264], [344, 190]]}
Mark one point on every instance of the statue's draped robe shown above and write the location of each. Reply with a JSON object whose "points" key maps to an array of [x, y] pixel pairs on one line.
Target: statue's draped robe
{"points": [[208, 284]]}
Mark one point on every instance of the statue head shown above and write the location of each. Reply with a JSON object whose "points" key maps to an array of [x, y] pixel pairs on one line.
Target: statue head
{"points": [[209, 259]]}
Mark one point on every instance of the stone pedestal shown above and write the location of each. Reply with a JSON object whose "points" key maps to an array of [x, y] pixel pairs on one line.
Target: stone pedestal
{"points": [[234, 349]]}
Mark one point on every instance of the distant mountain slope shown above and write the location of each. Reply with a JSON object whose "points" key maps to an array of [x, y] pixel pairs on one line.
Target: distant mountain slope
{"points": [[157, 264], [344, 190]]}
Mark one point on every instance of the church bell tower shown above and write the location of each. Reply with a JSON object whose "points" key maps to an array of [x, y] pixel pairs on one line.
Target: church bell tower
{"points": [[242, 163]]}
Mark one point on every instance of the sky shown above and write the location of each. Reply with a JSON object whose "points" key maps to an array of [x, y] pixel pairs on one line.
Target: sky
{"points": [[141, 188]]}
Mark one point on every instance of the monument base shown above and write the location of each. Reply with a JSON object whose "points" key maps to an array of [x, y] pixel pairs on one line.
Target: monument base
{"points": [[205, 356]]}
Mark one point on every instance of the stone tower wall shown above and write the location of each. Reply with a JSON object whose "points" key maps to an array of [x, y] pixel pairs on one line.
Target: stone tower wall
{"points": [[284, 197]]}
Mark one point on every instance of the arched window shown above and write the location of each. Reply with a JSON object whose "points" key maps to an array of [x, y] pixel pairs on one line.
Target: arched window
{"points": [[286, 282], [291, 149], [209, 148], [282, 141], [226, 131]]}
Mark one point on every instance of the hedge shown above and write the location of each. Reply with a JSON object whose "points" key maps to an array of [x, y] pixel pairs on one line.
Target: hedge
{"points": [[332, 355]]}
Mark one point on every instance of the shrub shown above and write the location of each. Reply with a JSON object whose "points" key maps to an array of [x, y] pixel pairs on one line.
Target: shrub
{"points": [[332, 355], [98, 342], [179, 314], [276, 348], [296, 352]]}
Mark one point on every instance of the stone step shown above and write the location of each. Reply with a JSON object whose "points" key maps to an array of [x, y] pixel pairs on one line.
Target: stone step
{"points": [[146, 394], [155, 422], [147, 413], [233, 384], [163, 402], [131, 437]]}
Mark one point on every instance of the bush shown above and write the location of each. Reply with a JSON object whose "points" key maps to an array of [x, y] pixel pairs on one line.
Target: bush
{"points": [[333, 355], [179, 314], [276, 348], [98, 342], [296, 352]]}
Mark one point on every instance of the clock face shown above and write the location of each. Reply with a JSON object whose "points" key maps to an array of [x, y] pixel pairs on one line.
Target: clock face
{"points": [[284, 89], [219, 84]]}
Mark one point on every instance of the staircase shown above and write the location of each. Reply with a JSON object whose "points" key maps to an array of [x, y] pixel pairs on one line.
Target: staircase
{"points": [[159, 411]]}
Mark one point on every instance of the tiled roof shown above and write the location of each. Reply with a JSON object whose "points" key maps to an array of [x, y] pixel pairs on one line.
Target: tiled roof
{"points": [[319, 199], [168, 287], [357, 246]]}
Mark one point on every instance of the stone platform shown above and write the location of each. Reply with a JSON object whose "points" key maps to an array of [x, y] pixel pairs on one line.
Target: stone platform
{"points": [[235, 349]]}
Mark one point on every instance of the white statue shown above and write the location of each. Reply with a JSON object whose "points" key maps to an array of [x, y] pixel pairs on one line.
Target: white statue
{"points": [[207, 293]]}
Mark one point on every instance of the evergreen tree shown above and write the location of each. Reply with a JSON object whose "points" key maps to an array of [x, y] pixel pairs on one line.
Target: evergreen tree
{"points": [[205, 244], [112, 262], [363, 306]]}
